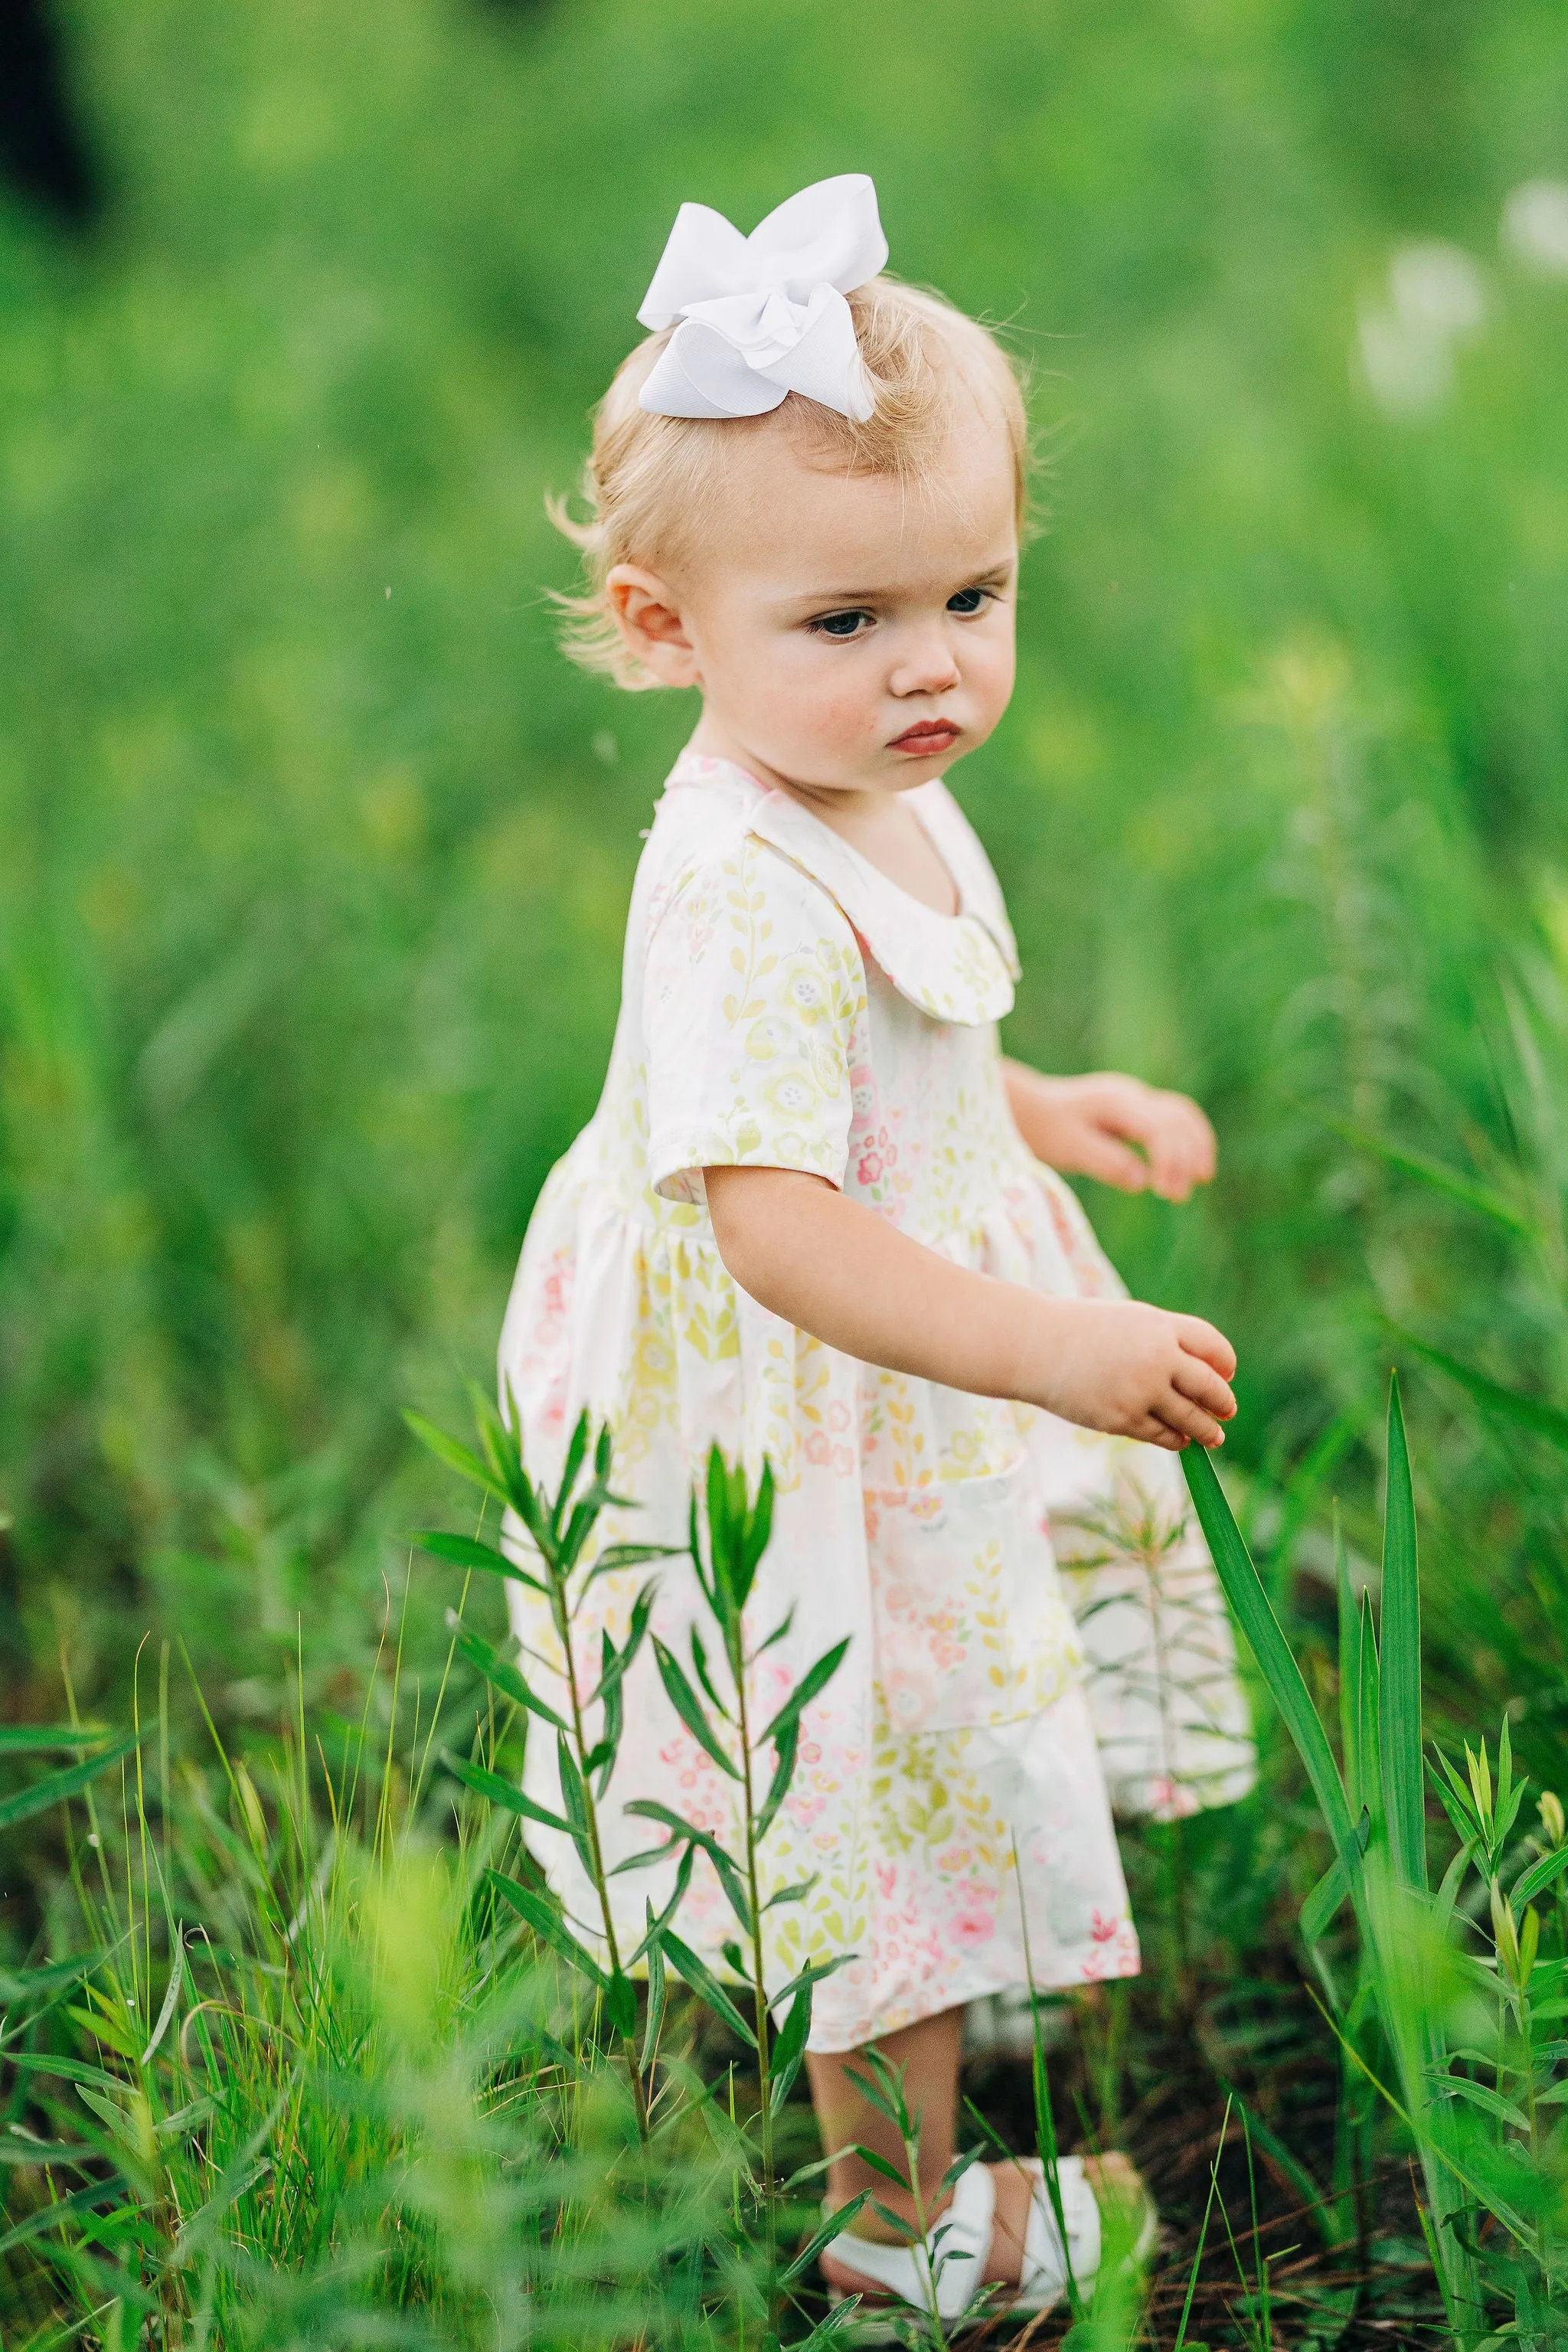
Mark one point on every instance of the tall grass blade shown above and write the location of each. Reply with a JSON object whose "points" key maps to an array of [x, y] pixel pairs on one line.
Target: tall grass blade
{"points": [[1249, 1603], [1467, 1191], [1523, 1412], [1399, 1705], [56, 1787]]}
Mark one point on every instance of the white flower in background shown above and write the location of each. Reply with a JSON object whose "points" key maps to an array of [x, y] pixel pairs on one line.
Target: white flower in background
{"points": [[1535, 227], [1437, 290], [1437, 299]]}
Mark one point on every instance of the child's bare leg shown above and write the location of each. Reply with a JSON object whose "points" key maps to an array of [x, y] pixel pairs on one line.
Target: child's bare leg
{"points": [[927, 2056]]}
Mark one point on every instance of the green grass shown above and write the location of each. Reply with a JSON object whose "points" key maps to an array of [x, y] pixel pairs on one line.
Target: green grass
{"points": [[311, 898]]}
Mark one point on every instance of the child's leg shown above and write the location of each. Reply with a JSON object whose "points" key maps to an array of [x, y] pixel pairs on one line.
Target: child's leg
{"points": [[927, 2054]]}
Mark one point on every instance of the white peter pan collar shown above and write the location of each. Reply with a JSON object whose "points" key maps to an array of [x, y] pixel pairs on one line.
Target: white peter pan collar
{"points": [[958, 967]]}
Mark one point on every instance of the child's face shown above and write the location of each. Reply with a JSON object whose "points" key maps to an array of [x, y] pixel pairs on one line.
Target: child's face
{"points": [[847, 633]]}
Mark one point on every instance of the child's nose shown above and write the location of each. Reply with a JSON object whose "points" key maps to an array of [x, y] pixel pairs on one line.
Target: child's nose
{"points": [[927, 666]]}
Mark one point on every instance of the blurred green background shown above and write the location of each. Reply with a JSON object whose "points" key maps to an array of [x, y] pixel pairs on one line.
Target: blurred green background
{"points": [[314, 854]]}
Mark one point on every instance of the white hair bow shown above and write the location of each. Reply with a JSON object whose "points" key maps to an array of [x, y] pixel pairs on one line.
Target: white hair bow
{"points": [[757, 317]]}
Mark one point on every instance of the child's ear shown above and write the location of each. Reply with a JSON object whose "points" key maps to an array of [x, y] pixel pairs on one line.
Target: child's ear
{"points": [[649, 617]]}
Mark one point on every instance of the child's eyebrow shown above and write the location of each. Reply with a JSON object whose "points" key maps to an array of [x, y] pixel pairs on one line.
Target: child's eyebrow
{"points": [[830, 600]]}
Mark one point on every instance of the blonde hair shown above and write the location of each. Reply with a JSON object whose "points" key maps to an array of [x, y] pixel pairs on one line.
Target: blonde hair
{"points": [[650, 483]]}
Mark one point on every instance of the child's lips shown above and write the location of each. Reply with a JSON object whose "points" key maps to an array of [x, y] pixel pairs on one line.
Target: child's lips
{"points": [[928, 735]]}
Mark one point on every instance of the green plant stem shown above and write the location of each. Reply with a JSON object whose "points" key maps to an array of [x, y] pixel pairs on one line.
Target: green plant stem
{"points": [[759, 1986], [601, 1876]]}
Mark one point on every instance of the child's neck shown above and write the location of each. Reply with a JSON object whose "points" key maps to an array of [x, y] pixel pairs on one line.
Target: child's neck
{"points": [[880, 824]]}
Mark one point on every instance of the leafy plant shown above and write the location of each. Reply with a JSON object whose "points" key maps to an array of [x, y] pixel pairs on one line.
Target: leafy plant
{"points": [[556, 1538], [1488, 2163]]}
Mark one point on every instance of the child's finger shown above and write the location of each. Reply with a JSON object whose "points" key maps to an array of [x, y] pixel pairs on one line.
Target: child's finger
{"points": [[1189, 1420], [1150, 1431], [1178, 1153], [1201, 1338], [1199, 1135], [1202, 1385], [1170, 1168], [1111, 1162], [1181, 1148]]}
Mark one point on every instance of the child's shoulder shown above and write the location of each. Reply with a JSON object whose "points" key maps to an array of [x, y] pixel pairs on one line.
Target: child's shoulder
{"points": [[711, 838]]}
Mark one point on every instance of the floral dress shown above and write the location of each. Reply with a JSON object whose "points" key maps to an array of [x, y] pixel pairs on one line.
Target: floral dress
{"points": [[1034, 1626]]}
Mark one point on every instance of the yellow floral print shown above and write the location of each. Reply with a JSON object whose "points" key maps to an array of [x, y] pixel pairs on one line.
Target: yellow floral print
{"points": [[785, 1005]]}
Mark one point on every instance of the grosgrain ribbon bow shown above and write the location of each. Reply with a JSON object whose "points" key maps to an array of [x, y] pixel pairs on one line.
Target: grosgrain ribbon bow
{"points": [[757, 317]]}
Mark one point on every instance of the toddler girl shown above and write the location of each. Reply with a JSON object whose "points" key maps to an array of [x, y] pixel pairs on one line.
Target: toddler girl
{"points": [[815, 1219]]}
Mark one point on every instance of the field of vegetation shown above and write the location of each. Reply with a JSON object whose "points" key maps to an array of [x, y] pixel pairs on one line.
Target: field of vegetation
{"points": [[313, 865]]}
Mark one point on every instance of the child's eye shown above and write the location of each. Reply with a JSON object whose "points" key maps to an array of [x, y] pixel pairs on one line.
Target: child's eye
{"points": [[969, 600], [840, 624]]}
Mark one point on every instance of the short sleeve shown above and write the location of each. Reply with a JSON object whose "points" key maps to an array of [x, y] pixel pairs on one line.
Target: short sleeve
{"points": [[753, 991]]}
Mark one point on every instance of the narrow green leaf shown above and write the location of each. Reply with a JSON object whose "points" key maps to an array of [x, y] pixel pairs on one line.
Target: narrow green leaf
{"points": [[574, 1797], [700, 1977], [956, 2170], [729, 1871], [724, 1537], [56, 1787], [1399, 1711], [617, 1663], [67, 2069], [584, 1517], [20, 1985], [500, 1671], [1480, 2094], [1349, 1744], [813, 1680], [1546, 1421], [60, 2208], [786, 1748], [1540, 1876], [812, 1974], [789, 2048], [608, 1748], [615, 1556], [548, 1925], [1453, 1879], [24, 2150], [834, 2225], [467, 1551], [796, 1893], [455, 1456], [876, 2081], [1324, 1900], [47, 1738], [499, 1791], [881, 2164], [577, 1449], [758, 1530], [688, 1706], [704, 1676], [621, 2005], [1249, 1603], [656, 1992], [1466, 1190], [656, 1926], [1368, 1706]]}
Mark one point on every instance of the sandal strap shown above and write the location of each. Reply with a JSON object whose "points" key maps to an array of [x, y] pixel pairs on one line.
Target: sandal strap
{"points": [[1045, 2273], [957, 2249]]}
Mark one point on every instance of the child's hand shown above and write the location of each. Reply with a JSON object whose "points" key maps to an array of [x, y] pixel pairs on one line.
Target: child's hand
{"points": [[1134, 1371], [1088, 1127], [841, 1271]]}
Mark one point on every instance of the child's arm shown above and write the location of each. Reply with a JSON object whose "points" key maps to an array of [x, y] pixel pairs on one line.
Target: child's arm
{"points": [[1088, 1127], [837, 1270]]}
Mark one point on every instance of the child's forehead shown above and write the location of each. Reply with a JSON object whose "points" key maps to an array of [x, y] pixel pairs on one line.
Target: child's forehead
{"points": [[782, 511]]}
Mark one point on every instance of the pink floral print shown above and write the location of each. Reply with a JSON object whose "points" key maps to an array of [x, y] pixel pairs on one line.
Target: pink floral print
{"points": [[785, 1005]]}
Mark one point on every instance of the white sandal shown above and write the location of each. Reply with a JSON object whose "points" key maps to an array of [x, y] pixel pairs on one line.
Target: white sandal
{"points": [[958, 2249]]}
